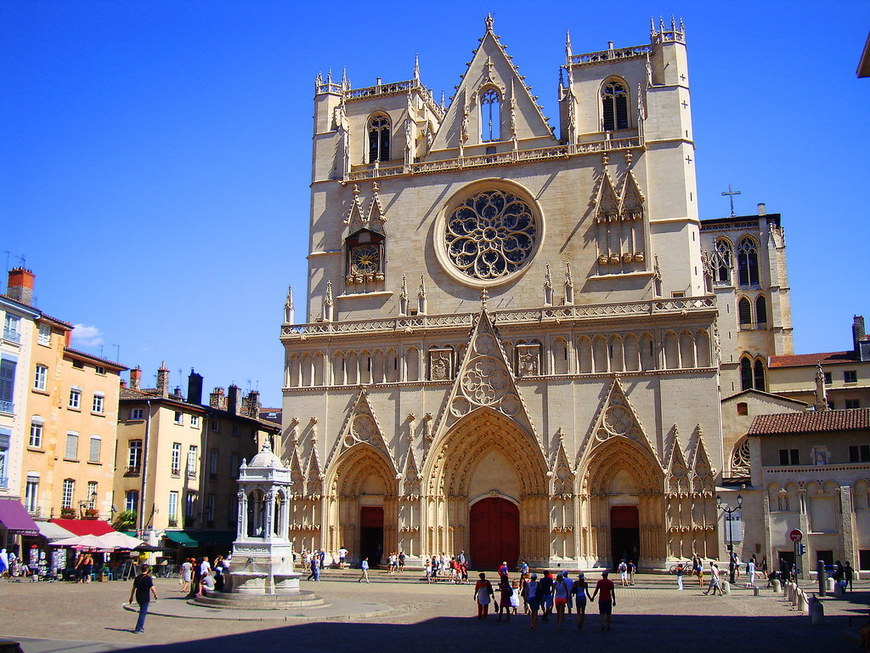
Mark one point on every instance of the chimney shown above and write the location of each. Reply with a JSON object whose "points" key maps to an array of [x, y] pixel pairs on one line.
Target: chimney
{"points": [[234, 399], [123, 383], [194, 388], [163, 380], [20, 285], [858, 333], [135, 378], [252, 404], [217, 399], [762, 208]]}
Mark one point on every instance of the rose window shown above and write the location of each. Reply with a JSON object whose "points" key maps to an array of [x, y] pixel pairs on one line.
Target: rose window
{"points": [[490, 235]]}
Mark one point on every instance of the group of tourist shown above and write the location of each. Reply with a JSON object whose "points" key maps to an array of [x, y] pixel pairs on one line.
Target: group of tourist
{"points": [[396, 562], [544, 595], [453, 569], [201, 577]]}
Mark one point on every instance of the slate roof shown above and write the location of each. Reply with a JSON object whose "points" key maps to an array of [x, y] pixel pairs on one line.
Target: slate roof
{"points": [[821, 421]]}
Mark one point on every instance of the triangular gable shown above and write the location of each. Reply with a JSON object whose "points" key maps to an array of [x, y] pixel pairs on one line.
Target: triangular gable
{"points": [[701, 460], [314, 475], [616, 419], [631, 201], [297, 476], [678, 470], [361, 428], [376, 210], [563, 474], [484, 380], [491, 68], [607, 201], [411, 474], [355, 217]]}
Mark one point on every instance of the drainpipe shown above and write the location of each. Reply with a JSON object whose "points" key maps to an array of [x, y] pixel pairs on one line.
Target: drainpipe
{"points": [[144, 485]]}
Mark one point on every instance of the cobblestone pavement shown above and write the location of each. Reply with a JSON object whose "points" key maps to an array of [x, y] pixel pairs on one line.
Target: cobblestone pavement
{"points": [[413, 616]]}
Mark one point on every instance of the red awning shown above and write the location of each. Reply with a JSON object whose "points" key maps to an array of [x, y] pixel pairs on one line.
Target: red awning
{"points": [[84, 526], [15, 519]]}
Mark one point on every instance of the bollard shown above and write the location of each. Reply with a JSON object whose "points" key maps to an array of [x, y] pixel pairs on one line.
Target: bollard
{"points": [[756, 591], [839, 590], [816, 610], [777, 586], [789, 592], [831, 585], [726, 587], [821, 576], [801, 601]]}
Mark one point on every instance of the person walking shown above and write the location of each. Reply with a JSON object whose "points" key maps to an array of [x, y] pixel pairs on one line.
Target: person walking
{"points": [[483, 594], [342, 556], [560, 599], [506, 592], [623, 573], [186, 574], [364, 566], [143, 589], [607, 599], [848, 573], [546, 592], [680, 577], [315, 569], [531, 595], [714, 580], [569, 583], [750, 572], [580, 590]]}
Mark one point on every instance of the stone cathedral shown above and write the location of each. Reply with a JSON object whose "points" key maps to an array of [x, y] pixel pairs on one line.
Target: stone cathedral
{"points": [[510, 342]]}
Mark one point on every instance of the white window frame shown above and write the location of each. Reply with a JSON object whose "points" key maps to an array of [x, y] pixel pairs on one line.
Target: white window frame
{"points": [[36, 432], [93, 494], [31, 492], [44, 337], [179, 417], [175, 460], [131, 501], [99, 448], [194, 420], [75, 398], [68, 493], [71, 446], [98, 403], [40, 377], [189, 500], [191, 460], [172, 509], [137, 414], [134, 455]]}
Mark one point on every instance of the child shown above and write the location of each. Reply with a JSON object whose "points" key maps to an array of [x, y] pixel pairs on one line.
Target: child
{"points": [[504, 599]]}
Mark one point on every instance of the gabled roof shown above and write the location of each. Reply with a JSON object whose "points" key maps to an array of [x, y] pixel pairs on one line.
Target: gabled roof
{"points": [[822, 421], [743, 394], [75, 353], [808, 360]]}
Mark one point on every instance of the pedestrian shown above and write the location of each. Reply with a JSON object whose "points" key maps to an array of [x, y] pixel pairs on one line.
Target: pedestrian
{"points": [[483, 593], [186, 572], [78, 567], [208, 584], [531, 595], [204, 566], [503, 570], [580, 590], [848, 573], [560, 599], [750, 571], [623, 572], [143, 589], [401, 561], [680, 577], [569, 583], [315, 568], [506, 592], [4, 563], [546, 592], [524, 567], [607, 599], [714, 580], [524, 579], [364, 566], [632, 570], [342, 556], [515, 596]]}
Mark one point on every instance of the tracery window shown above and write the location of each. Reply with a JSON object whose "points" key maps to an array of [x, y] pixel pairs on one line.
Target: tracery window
{"points": [[490, 115], [490, 235], [614, 106], [740, 460], [723, 262], [379, 138], [747, 262], [759, 375], [745, 374]]}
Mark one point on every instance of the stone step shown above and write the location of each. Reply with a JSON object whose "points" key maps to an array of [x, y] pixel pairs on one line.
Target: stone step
{"points": [[231, 601]]}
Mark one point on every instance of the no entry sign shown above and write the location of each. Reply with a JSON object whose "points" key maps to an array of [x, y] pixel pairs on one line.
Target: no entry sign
{"points": [[796, 535]]}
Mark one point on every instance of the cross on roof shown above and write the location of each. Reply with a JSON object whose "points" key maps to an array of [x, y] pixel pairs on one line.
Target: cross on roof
{"points": [[731, 193]]}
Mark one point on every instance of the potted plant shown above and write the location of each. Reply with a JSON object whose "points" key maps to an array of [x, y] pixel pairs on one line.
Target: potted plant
{"points": [[67, 513], [91, 513]]}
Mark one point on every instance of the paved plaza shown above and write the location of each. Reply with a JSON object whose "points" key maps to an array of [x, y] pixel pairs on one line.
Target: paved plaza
{"points": [[404, 614]]}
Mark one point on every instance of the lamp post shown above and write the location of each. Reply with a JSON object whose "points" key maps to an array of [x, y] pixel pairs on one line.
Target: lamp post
{"points": [[728, 510]]}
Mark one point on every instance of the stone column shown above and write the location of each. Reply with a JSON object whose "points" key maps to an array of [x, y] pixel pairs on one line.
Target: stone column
{"points": [[848, 529], [243, 515]]}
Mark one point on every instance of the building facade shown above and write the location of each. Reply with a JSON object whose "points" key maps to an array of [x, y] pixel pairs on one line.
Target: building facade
{"points": [[178, 459], [509, 347]]}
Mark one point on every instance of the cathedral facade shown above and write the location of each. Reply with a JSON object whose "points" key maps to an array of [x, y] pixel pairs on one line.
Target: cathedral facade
{"points": [[510, 344]]}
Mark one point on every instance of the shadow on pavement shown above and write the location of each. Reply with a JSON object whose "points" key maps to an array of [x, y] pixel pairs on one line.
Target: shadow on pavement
{"points": [[788, 633]]}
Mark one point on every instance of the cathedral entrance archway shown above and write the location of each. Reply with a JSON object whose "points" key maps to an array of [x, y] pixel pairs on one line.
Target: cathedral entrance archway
{"points": [[371, 533], [494, 533], [624, 534]]}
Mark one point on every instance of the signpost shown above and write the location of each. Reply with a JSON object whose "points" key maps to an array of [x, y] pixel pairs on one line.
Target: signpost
{"points": [[796, 537]]}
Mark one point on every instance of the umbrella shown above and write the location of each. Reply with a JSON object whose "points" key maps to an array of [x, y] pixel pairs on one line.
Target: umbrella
{"points": [[81, 542], [147, 547], [116, 540]]}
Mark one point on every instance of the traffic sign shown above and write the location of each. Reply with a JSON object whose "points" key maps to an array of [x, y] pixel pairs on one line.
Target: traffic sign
{"points": [[796, 535]]}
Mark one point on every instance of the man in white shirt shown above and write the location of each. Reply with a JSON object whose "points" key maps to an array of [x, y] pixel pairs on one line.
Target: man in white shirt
{"points": [[342, 556], [204, 567]]}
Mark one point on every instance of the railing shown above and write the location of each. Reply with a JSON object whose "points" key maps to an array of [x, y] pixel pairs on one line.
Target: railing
{"points": [[7, 407], [611, 55], [11, 335], [515, 316], [497, 159]]}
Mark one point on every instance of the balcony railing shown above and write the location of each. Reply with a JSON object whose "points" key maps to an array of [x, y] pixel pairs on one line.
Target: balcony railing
{"points": [[7, 407], [11, 335]]}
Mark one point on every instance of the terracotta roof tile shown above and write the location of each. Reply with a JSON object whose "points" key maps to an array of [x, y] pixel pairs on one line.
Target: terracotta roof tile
{"points": [[853, 419], [803, 360]]}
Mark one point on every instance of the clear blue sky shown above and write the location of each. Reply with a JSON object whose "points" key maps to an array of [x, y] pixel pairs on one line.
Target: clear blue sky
{"points": [[155, 156]]}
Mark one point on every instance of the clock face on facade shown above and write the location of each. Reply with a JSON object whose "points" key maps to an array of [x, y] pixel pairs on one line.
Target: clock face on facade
{"points": [[490, 235], [365, 259]]}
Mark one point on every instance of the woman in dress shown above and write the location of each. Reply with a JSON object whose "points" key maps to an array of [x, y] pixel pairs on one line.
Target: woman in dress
{"points": [[580, 589], [506, 592], [483, 594], [186, 572], [532, 598], [560, 599]]}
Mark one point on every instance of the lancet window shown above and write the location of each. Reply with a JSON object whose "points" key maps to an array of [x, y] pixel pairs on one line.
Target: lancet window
{"points": [[379, 138], [747, 262], [490, 115], [761, 310], [614, 106], [723, 262]]}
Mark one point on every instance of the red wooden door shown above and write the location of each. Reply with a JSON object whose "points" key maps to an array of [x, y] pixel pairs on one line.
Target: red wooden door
{"points": [[494, 534]]}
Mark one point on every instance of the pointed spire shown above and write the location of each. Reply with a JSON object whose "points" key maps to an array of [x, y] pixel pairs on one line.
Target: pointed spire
{"points": [[443, 106], [568, 52], [421, 297], [376, 211], [417, 67], [329, 77], [652, 28], [345, 82], [489, 21], [548, 287], [288, 306]]}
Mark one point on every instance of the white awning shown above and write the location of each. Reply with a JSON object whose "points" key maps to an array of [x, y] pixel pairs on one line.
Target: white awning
{"points": [[51, 531]]}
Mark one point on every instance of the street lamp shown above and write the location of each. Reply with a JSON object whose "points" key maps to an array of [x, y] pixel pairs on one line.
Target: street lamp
{"points": [[728, 510]]}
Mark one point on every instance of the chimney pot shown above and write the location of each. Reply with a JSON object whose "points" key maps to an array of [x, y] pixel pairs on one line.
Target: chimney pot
{"points": [[762, 208]]}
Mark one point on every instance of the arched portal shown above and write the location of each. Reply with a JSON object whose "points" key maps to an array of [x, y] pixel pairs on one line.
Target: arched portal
{"points": [[362, 505], [494, 533], [486, 455], [625, 485]]}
